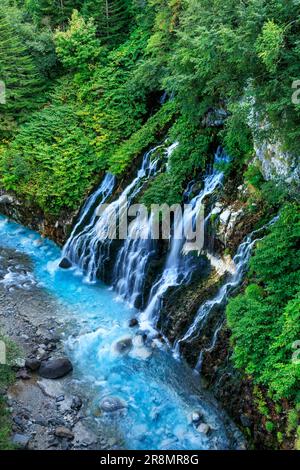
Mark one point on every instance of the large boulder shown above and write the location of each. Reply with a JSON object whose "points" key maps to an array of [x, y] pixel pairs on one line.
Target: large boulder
{"points": [[55, 368], [65, 263]]}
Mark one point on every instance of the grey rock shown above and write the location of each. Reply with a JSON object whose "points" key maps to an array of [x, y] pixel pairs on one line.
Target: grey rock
{"points": [[111, 404], [32, 364], [203, 428], [62, 431], [65, 263], [124, 345], [55, 368], [23, 375], [76, 403], [6, 199], [21, 440], [246, 421]]}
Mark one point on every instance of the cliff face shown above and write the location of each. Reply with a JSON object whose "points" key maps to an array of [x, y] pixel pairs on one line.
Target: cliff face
{"points": [[30, 215], [276, 163]]}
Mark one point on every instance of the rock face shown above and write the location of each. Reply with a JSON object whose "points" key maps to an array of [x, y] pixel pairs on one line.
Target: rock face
{"points": [[33, 217], [276, 163], [55, 368]]}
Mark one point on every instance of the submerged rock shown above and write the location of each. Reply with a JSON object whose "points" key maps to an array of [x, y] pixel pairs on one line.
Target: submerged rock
{"points": [[124, 345], [133, 322], [203, 428], [55, 368], [111, 404], [65, 263]]}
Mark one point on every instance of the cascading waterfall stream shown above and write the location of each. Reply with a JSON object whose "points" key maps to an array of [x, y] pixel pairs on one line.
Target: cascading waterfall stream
{"points": [[134, 256], [241, 261], [74, 243], [178, 269], [89, 248]]}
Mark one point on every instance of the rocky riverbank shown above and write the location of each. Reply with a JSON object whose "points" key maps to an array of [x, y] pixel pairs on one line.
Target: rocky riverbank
{"points": [[46, 413]]}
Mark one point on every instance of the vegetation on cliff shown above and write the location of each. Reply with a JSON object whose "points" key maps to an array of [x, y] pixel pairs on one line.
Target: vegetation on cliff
{"points": [[92, 84]]}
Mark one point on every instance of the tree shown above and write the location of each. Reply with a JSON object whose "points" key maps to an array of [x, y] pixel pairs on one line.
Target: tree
{"points": [[78, 47], [52, 12], [19, 74], [112, 17]]}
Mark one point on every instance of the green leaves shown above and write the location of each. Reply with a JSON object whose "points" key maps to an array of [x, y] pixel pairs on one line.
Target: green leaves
{"points": [[265, 320], [78, 47], [269, 44]]}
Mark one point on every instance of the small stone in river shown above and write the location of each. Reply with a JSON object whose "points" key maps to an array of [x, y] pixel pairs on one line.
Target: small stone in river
{"points": [[111, 404], [21, 440], [76, 403], [124, 345], [65, 263], [55, 368], [62, 431], [203, 428], [196, 417], [133, 322], [60, 398], [33, 364]]}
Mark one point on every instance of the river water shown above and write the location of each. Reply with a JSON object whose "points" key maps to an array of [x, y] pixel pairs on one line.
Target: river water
{"points": [[159, 393]]}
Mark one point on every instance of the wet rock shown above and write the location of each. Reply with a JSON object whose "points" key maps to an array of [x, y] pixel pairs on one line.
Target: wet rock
{"points": [[196, 417], [225, 216], [76, 403], [19, 363], [65, 263], [111, 404], [203, 428], [55, 368], [245, 421], [23, 375], [32, 364], [6, 199], [133, 322], [124, 345], [21, 440], [50, 388], [83, 436], [41, 353], [60, 398], [63, 432]]}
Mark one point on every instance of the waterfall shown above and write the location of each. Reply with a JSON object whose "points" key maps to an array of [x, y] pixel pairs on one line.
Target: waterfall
{"points": [[74, 244], [241, 261], [178, 269], [132, 262], [89, 247], [133, 258]]}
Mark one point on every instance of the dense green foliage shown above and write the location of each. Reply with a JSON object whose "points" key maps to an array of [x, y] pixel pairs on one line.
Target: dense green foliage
{"points": [[265, 320], [84, 86], [113, 60]]}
